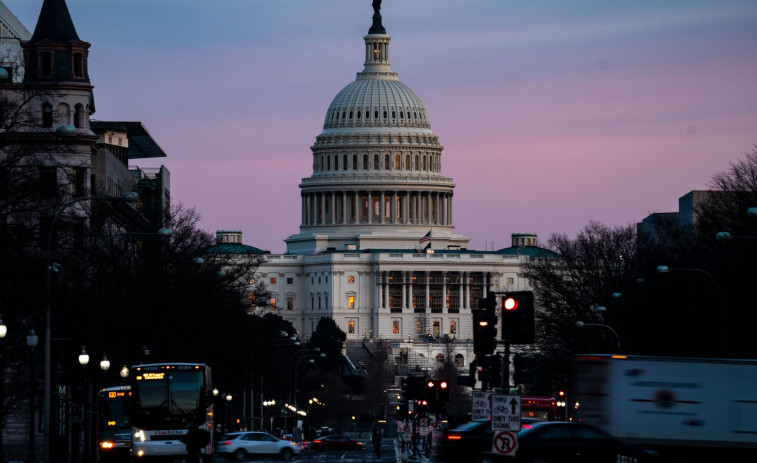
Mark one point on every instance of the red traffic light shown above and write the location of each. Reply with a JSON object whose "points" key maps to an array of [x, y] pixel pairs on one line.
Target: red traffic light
{"points": [[443, 385], [430, 384], [561, 393], [510, 303], [483, 323]]}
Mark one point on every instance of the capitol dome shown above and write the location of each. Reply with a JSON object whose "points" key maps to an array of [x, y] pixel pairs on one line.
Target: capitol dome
{"points": [[377, 180], [371, 101]]}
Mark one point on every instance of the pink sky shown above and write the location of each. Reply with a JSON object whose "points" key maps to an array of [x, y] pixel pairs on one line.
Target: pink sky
{"points": [[551, 113]]}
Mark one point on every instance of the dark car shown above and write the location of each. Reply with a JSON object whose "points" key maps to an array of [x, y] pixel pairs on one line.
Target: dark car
{"points": [[336, 443], [469, 441], [565, 441]]}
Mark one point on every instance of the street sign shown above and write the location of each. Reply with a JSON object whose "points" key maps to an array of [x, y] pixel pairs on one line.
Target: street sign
{"points": [[505, 443], [482, 406], [505, 412]]}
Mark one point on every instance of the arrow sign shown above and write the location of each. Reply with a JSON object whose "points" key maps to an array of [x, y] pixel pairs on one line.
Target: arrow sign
{"points": [[505, 413]]}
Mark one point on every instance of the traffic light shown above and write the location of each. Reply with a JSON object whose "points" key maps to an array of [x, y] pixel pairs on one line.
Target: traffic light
{"points": [[523, 369], [485, 327], [443, 397], [402, 409], [437, 394], [403, 387], [518, 317]]}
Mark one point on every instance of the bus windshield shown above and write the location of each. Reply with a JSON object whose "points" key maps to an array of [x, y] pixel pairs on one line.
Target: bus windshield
{"points": [[171, 399], [115, 410]]}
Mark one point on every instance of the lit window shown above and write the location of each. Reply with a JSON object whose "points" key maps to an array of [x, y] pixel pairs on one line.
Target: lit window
{"points": [[252, 281], [510, 280], [273, 303], [350, 279], [452, 327], [290, 303], [351, 326], [350, 302], [273, 280], [396, 327]]}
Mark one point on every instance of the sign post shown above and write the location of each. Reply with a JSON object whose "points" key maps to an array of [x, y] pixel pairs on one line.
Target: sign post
{"points": [[505, 423]]}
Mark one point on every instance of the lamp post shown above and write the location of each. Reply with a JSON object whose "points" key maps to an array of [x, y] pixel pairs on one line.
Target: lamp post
{"points": [[50, 267], [84, 361], [228, 414], [3, 333], [310, 359], [581, 324], [721, 302], [31, 342]]}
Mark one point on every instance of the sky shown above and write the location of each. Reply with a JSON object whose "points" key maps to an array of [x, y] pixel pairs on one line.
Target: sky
{"points": [[552, 113]]}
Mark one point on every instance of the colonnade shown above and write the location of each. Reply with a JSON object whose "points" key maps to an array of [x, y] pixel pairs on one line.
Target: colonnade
{"points": [[380, 207]]}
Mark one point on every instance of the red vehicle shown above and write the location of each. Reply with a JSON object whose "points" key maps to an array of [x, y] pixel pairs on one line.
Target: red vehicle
{"points": [[336, 443], [541, 408]]}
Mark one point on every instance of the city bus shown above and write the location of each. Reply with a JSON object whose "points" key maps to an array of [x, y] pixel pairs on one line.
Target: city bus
{"points": [[114, 424], [168, 398], [541, 408]]}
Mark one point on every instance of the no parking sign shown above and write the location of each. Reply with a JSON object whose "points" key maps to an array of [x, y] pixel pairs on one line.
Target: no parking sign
{"points": [[505, 443]]}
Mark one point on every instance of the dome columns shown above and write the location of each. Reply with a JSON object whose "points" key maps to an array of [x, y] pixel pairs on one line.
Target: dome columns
{"points": [[370, 207]]}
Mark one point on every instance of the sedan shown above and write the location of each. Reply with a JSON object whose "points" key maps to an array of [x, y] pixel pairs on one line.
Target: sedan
{"points": [[239, 445], [565, 441], [336, 443]]}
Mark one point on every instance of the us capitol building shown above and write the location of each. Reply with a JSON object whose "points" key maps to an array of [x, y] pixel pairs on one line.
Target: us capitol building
{"points": [[377, 249]]}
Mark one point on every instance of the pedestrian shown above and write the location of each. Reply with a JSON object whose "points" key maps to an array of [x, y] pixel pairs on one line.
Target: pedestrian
{"points": [[376, 440], [194, 440]]}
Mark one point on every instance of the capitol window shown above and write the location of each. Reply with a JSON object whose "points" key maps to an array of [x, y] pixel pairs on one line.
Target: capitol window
{"points": [[351, 279], [351, 326], [395, 327], [394, 115], [384, 114], [350, 302]]}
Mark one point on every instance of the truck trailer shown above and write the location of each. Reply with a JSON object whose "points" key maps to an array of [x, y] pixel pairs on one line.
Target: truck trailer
{"points": [[680, 406]]}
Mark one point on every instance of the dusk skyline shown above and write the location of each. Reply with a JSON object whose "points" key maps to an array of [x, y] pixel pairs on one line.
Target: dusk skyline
{"points": [[552, 114]]}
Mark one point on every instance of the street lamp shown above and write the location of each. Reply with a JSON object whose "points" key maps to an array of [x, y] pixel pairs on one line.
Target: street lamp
{"points": [[31, 342], [3, 333], [105, 363], [581, 324], [50, 267], [84, 361], [721, 301]]}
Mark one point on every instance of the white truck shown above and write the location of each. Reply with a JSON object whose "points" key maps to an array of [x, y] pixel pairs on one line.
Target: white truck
{"points": [[680, 406]]}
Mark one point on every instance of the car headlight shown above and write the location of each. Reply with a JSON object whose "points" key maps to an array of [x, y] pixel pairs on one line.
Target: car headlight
{"points": [[139, 435]]}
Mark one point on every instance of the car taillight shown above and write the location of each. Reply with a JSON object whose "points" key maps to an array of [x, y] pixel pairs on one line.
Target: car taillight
{"points": [[226, 442], [454, 437], [316, 442], [525, 426]]}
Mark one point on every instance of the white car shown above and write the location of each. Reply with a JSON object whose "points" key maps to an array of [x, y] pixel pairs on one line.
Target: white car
{"points": [[239, 445]]}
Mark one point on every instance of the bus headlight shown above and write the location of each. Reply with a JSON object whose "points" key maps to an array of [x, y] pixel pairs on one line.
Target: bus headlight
{"points": [[139, 435], [105, 445]]}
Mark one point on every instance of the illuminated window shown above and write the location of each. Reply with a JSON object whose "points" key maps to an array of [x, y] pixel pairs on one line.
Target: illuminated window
{"points": [[419, 327], [273, 303], [290, 303], [252, 281], [350, 302], [510, 280], [351, 326], [396, 327], [273, 280], [452, 327], [350, 279]]}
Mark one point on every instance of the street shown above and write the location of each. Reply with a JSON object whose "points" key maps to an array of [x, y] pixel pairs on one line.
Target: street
{"points": [[388, 454]]}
